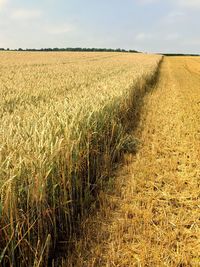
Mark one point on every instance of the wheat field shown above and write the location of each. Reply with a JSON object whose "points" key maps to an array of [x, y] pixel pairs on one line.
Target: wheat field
{"points": [[63, 126]]}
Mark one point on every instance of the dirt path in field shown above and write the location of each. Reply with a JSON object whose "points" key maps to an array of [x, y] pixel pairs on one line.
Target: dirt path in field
{"points": [[153, 217]]}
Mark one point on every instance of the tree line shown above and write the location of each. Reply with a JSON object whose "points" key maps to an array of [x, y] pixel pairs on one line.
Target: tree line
{"points": [[180, 55], [71, 49]]}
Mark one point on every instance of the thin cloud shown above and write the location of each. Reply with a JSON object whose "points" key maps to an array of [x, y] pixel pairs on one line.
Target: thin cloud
{"points": [[2, 3], [61, 29], [25, 14], [176, 14], [194, 42], [189, 3], [143, 36], [172, 37], [180, 3], [175, 17], [145, 2]]}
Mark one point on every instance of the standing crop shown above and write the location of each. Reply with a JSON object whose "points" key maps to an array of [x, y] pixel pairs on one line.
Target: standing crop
{"points": [[63, 120]]}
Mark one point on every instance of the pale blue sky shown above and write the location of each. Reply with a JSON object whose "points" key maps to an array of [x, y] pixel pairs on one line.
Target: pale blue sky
{"points": [[145, 25]]}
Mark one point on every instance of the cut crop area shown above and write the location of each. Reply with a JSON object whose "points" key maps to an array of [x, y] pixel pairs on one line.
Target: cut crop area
{"points": [[64, 120], [151, 216]]}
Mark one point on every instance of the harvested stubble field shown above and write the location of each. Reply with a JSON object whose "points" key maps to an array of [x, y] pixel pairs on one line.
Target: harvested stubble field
{"points": [[64, 123], [151, 216]]}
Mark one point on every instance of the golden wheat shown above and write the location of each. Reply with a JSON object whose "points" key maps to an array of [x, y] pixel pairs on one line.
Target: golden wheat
{"points": [[62, 129]]}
